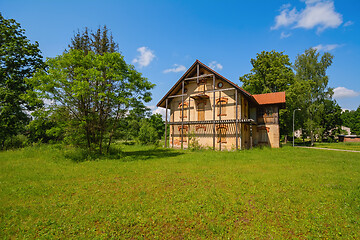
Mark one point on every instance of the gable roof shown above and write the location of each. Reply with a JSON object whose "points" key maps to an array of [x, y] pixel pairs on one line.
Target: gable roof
{"points": [[161, 102], [270, 98], [261, 99]]}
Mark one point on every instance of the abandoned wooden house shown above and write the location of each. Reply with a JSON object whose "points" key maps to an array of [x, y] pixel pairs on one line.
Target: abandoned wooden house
{"points": [[217, 113]]}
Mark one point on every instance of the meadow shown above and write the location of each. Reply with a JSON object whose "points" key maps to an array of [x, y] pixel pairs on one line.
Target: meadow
{"points": [[138, 192]]}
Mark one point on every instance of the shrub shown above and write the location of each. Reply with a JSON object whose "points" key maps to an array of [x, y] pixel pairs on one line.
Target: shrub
{"points": [[18, 141], [147, 133]]}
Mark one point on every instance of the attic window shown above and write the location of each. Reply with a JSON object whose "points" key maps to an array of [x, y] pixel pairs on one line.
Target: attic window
{"points": [[220, 85]]}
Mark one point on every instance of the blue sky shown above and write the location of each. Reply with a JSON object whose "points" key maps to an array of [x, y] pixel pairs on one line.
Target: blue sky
{"points": [[163, 38]]}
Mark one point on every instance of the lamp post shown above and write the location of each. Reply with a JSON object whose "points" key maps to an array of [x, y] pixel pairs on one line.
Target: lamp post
{"points": [[294, 126]]}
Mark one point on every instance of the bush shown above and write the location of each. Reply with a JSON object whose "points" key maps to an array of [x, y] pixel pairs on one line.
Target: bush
{"points": [[18, 141], [147, 133], [193, 142]]}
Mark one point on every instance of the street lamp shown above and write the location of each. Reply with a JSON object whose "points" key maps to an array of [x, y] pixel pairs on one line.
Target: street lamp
{"points": [[294, 126]]}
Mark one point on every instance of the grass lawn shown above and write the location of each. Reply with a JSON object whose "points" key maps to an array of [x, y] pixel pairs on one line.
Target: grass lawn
{"points": [[159, 193], [341, 145]]}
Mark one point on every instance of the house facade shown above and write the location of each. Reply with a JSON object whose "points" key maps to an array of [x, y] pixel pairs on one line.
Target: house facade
{"points": [[210, 109]]}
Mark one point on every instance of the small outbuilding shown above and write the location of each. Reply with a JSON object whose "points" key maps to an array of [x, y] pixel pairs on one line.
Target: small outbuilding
{"points": [[349, 138]]}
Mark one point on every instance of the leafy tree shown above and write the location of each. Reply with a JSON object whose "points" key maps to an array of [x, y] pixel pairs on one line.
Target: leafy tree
{"points": [[351, 119], [311, 75], [330, 120], [158, 123], [18, 60], [271, 73], [97, 90], [147, 133], [99, 42]]}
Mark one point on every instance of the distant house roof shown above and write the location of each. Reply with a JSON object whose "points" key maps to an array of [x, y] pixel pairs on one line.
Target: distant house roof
{"points": [[270, 98], [267, 98]]}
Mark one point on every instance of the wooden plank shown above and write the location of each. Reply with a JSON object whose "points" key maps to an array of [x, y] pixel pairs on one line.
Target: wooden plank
{"points": [[227, 121], [210, 91], [220, 120], [236, 122], [174, 96], [189, 121], [182, 114], [166, 111], [201, 76], [214, 112]]}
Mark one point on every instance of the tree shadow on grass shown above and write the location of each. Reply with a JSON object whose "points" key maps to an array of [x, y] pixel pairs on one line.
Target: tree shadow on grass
{"points": [[141, 155], [81, 155]]}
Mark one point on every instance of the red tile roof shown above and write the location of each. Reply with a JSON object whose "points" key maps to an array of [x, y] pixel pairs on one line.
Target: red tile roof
{"points": [[270, 98]]}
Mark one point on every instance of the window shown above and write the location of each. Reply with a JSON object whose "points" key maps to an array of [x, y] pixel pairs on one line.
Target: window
{"points": [[185, 132], [201, 110], [221, 106], [267, 115], [221, 132], [220, 85], [185, 110]]}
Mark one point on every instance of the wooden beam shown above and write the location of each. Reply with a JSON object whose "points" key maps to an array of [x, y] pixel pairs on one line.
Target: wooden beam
{"points": [[241, 117], [222, 90], [236, 122], [214, 112], [189, 121], [172, 128], [227, 121], [201, 76], [218, 90], [197, 73], [166, 111], [251, 137], [174, 96], [182, 115], [220, 119]]}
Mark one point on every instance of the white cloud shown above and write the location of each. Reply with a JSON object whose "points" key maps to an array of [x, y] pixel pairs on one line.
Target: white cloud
{"points": [[348, 23], [215, 65], [284, 35], [317, 13], [145, 57], [341, 92], [327, 47], [175, 69], [161, 111], [286, 17]]}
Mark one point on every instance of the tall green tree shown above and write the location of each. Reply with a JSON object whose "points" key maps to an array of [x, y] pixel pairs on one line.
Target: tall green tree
{"points": [[18, 60], [330, 121], [96, 89], [351, 119], [271, 72], [313, 88]]}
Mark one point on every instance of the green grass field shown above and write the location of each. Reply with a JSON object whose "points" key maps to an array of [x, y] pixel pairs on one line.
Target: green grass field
{"points": [[341, 145], [143, 192]]}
